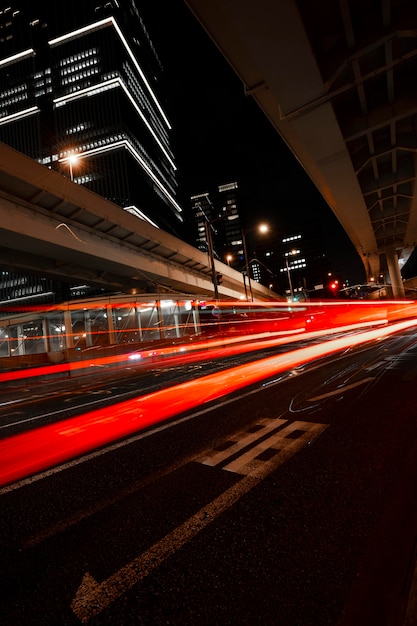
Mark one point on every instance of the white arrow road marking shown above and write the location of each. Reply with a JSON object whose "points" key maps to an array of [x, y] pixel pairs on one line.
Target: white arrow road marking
{"points": [[342, 389], [92, 597]]}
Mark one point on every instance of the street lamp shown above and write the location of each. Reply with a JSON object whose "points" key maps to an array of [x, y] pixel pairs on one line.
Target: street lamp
{"points": [[287, 254], [72, 160], [209, 240], [262, 228]]}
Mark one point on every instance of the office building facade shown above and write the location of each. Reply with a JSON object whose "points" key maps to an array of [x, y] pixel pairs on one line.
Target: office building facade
{"points": [[81, 92], [219, 209], [297, 264]]}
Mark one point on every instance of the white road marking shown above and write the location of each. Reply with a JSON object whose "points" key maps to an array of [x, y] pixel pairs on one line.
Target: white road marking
{"points": [[92, 597], [342, 389], [280, 445], [241, 441]]}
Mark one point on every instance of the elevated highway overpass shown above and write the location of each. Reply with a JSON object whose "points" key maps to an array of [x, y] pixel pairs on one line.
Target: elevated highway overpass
{"points": [[56, 228], [336, 78]]}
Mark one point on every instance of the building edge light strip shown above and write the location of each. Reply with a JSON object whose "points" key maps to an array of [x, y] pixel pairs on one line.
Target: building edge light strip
{"points": [[111, 84], [17, 116], [148, 126], [103, 24], [133, 210], [145, 80], [17, 57], [80, 31], [128, 146], [99, 87]]}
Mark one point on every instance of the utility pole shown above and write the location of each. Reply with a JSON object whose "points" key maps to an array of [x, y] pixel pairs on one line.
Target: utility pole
{"points": [[211, 255]]}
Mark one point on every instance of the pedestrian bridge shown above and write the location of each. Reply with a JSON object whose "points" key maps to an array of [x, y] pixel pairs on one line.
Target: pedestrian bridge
{"points": [[336, 78]]}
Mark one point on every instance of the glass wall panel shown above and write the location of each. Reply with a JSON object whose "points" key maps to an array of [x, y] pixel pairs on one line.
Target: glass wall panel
{"points": [[98, 326], [16, 341], [32, 337], [56, 333], [4, 341], [89, 328], [126, 324], [178, 318], [148, 321]]}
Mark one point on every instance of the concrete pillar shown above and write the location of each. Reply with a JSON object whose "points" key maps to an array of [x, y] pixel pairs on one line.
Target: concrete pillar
{"points": [[69, 338], [87, 329], [138, 322], [395, 274], [20, 341], [160, 319], [46, 335], [110, 324]]}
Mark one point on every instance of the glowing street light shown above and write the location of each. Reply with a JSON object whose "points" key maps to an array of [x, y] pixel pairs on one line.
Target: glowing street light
{"points": [[72, 160]]}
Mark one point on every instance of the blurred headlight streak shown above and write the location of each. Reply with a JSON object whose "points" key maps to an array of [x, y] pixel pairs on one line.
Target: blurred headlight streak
{"points": [[28, 453]]}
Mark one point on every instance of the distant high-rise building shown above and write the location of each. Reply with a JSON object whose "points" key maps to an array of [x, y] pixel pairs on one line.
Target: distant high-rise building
{"points": [[81, 91], [220, 209], [296, 261]]}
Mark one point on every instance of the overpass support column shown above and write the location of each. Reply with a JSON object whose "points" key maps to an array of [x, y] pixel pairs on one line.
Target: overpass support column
{"points": [[68, 329], [110, 324], [395, 274]]}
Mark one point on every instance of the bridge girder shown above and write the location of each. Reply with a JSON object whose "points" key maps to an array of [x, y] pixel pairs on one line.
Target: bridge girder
{"points": [[336, 80]]}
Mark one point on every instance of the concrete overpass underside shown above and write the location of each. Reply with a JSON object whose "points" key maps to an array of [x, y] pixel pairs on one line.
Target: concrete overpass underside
{"points": [[336, 78], [55, 228]]}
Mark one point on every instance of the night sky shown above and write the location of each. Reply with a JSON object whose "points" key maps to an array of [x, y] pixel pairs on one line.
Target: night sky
{"points": [[220, 136]]}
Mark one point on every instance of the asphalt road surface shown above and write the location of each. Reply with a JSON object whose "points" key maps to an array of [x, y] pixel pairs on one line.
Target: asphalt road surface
{"points": [[291, 503]]}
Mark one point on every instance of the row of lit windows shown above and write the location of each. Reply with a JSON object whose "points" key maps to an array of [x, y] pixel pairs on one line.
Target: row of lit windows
{"points": [[25, 291], [79, 86], [228, 187], [43, 91], [74, 78], [78, 128], [10, 92], [41, 82], [85, 178], [17, 98], [79, 66], [293, 267], [135, 88], [291, 238], [99, 143], [8, 9], [85, 54], [45, 72], [13, 282], [48, 159]]}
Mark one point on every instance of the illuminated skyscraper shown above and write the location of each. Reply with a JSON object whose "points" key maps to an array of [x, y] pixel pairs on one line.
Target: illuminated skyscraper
{"points": [[81, 91], [220, 209]]}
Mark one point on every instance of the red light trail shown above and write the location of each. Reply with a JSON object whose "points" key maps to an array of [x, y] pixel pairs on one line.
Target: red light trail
{"points": [[31, 452]]}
